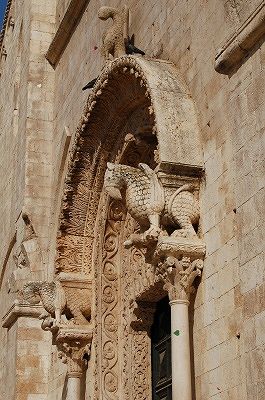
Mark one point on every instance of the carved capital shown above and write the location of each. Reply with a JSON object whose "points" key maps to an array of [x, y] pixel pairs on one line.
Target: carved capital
{"points": [[179, 262], [74, 345]]}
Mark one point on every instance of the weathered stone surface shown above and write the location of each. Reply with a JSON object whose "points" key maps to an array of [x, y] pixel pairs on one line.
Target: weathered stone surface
{"points": [[193, 119]]}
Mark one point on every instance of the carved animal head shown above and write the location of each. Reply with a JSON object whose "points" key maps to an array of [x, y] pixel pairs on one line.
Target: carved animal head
{"points": [[106, 12], [113, 181], [119, 176], [31, 292]]}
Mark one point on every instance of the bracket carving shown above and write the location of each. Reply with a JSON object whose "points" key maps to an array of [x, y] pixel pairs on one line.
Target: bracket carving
{"points": [[151, 205], [67, 305], [168, 213], [59, 298]]}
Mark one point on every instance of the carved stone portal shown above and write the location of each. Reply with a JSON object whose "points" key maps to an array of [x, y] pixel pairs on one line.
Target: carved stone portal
{"points": [[139, 111]]}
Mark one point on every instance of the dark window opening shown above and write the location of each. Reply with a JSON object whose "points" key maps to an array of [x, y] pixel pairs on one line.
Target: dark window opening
{"points": [[161, 352]]}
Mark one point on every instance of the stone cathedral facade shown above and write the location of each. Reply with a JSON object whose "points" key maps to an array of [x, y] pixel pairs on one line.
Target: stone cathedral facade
{"points": [[132, 212]]}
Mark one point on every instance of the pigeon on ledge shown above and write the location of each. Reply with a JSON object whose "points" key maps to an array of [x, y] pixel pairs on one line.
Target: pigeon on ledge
{"points": [[90, 84], [129, 48]]}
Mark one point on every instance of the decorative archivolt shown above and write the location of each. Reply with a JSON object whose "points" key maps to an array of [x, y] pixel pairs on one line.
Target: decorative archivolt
{"points": [[125, 85], [138, 112]]}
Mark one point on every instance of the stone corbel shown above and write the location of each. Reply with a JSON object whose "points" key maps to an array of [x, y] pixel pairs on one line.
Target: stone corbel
{"points": [[67, 305]]}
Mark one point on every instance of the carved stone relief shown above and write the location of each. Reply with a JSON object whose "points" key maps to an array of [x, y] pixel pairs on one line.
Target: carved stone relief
{"points": [[67, 312], [121, 127], [114, 38]]}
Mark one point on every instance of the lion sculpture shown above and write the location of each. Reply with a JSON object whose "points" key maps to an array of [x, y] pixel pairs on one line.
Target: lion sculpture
{"points": [[55, 302], [150, 204]]}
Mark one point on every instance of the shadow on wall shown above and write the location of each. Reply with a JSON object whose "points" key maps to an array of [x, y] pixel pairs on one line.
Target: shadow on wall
{"points": [[64, 394]]}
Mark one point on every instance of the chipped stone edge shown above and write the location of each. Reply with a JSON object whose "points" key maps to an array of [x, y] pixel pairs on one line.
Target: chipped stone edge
{"points": [[239, 45], [19, 309]]}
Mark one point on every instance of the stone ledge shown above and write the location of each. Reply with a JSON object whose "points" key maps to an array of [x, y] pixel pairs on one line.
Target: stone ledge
{"points": [[81, 333], [240, 45], [181, 247], [65, 30], [19, 309]]}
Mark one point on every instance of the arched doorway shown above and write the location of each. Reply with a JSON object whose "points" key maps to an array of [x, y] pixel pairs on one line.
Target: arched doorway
{"points": [[139, 111]]}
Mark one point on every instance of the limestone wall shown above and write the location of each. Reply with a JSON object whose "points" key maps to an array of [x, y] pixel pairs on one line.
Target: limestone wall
{"points": [[26, 87], [228, 320], [41, 107]]}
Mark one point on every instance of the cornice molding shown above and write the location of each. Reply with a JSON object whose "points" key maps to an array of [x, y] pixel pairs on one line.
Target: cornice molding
{"points": [[19, 309], [242, 42], [65, 30]]}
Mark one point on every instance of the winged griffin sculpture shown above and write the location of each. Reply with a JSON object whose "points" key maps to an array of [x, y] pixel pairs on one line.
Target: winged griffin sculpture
{"points": [[150, 204], [56, 302]]}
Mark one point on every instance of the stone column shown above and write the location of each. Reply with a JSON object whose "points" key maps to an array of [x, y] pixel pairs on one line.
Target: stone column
{"points": [[180, 347], [180, 262]]}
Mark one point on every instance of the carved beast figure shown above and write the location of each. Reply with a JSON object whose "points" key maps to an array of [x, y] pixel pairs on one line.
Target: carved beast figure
{"points": [[149, 204], [113, 38], [55, 302]]}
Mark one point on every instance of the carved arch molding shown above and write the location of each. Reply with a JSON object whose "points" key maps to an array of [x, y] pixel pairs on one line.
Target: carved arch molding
{"points": [[139, 111]]}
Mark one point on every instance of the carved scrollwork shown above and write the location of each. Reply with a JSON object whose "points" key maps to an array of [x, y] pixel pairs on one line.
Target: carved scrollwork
{"points": [[110, 286]]}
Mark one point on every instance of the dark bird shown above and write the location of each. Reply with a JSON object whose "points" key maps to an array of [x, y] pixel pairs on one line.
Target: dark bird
{"points": [[90, 84], [130, 48]]}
